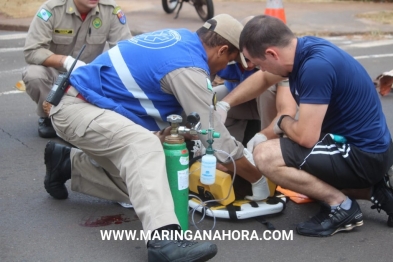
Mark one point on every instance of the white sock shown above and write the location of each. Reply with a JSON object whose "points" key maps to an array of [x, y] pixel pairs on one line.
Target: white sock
{"points": [[260, 190]]}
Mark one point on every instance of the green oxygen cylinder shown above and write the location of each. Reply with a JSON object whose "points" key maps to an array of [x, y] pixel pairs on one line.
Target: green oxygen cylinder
{"points": [[177, 158]]}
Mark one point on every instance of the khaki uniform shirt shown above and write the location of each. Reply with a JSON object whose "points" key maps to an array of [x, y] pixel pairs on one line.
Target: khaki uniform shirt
{"points": [[58, 28], [189, 86]]}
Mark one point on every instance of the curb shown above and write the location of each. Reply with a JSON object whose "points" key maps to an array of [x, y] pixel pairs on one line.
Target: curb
{"points": [[332, 34], [22, 28]]}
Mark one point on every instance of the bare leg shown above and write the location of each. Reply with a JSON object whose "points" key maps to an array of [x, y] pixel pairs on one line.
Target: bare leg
{"points": [[268, 159]]}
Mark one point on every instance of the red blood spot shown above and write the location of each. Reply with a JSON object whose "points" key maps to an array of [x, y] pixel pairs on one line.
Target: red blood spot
{"points": [[105, 220]]}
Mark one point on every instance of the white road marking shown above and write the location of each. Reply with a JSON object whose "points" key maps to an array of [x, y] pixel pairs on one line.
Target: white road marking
{"points": [[11, 92], [13, 36], [372, 56], [370, 44], [335, 38], [11, 49], [12, 71]]}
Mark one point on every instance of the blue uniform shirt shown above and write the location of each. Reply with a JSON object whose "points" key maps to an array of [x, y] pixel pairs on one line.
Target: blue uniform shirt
{"points": [[126, 78]]}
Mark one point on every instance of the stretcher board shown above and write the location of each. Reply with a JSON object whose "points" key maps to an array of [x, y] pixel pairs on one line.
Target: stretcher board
{"points": [[246, 209]]}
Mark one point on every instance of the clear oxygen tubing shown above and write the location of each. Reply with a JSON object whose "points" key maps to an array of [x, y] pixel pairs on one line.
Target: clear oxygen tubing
{"points": [[203, 203], [211, 123]]}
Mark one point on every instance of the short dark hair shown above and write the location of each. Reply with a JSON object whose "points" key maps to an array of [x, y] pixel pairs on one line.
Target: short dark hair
{"points": [[264, 31], [212, 39]]}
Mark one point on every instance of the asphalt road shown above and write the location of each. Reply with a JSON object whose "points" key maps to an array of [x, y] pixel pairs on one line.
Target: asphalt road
{"points": [[35, 227]]}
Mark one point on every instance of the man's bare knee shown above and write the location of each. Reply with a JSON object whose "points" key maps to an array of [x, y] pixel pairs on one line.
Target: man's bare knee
{"points": [[265, 154], [261, 155]]}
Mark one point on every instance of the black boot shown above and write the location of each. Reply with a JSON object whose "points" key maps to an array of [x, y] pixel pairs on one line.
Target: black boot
{"points": [[45, 128], [179, 250], [58, 169], [382, 198]]}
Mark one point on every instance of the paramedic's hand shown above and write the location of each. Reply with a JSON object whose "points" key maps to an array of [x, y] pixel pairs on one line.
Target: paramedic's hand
{"points": [[69, 61], [46, 106], [222, 109], [257, 139], [277, 127], [163, 133]]}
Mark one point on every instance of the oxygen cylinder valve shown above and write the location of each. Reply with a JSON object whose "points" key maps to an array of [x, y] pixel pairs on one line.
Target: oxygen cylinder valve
{"points": [[174, 138], [195, 125], [175, 121]]}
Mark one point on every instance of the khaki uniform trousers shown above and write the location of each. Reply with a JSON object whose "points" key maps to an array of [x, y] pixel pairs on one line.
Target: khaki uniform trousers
{"points": [[118, 160], [262, 108], [39, 80]]}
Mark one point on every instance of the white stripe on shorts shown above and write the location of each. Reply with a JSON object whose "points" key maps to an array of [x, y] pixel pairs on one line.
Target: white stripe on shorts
{"points": [[326, 150]]}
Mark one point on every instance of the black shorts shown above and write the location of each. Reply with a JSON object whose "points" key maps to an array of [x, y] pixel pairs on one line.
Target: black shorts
{"points": [[339, 165]]}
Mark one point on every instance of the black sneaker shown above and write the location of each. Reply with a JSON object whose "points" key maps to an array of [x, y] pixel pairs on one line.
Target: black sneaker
{"points": [[382, 198], [327, 222], [45, 128], [180, 251], [58, 169], [318, 218]]}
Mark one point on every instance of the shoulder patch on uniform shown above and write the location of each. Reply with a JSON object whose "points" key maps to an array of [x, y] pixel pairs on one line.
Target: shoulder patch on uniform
{"points": [[120, 15], [97, 23], [117, 9], [209, 84], [44, 14]]}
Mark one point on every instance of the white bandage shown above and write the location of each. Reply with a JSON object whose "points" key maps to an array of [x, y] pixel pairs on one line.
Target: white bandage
{"points": [[249, 156], [69, 61], [222, 108], [260, 190]]}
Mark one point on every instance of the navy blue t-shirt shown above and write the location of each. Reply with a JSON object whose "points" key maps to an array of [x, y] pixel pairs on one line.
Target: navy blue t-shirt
{"points": [[233, 75], [325, 74]]}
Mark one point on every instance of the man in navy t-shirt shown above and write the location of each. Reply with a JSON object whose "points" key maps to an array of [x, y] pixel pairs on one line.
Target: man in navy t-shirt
{"points": [[339, 149]]}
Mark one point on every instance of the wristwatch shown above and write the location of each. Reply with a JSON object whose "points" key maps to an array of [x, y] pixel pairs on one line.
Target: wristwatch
{"points": [[279, 120]]}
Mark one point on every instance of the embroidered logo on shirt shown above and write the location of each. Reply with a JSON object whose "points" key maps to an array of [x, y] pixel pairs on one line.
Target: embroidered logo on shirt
{"points": [[296, 93], [157, 40], [97, 23], [120, 15], [44, 14]]}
